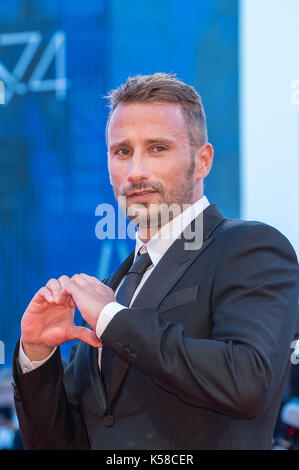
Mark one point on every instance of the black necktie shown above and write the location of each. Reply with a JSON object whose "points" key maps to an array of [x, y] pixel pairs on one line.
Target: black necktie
{"points": [[124, 296], [133, 278]]}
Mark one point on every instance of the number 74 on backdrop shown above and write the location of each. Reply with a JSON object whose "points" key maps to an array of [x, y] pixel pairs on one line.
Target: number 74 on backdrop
{"points": [[54, 50]]}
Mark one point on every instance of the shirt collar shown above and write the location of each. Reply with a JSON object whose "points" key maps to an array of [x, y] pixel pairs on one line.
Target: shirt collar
{"points": [[163, 239]]}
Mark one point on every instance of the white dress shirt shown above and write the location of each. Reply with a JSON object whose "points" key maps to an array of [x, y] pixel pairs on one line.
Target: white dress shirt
{"points": [[156, 248]]}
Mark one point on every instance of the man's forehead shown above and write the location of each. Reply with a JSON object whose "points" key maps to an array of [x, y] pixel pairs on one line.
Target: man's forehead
{"points": [[141, 115], [128, 109]]}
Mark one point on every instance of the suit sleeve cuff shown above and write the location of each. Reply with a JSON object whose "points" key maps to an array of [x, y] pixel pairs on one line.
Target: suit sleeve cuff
{"points": [[27, 365], [108, 312]]}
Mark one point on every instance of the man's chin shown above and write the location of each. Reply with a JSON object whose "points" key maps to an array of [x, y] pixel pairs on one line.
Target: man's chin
{"points": [[152, 215], [139, 214]]}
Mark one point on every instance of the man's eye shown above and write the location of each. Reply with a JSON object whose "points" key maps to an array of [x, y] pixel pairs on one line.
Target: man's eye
{"points": [[122, 152], [159, 148]]}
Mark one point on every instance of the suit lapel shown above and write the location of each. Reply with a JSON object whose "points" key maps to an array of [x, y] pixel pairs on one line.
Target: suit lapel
{"points": [[177, 260], [87, 379], [168, 271], [115, 278], [90, 353]]}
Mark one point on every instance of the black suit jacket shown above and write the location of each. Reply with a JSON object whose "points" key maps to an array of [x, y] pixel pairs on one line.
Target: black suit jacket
{"points": [[201, 358]]}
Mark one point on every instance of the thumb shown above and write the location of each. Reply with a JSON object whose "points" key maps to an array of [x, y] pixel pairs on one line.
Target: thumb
{"points": [[84, 334]]}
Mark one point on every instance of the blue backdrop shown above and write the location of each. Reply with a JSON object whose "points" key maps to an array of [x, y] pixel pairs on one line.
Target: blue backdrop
{"points": [[57, 60]]}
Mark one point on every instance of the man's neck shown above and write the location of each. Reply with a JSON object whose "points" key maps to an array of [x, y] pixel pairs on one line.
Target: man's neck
{"points": [[146, 233]]}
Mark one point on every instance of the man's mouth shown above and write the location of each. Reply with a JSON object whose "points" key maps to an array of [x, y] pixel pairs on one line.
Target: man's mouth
{"points": [[142, 193]]}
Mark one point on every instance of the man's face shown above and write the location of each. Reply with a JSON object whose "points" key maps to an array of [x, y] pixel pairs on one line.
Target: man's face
{"points": [[149, 155]]}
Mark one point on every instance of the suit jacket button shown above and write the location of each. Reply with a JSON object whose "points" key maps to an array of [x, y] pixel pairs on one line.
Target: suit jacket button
{"points": [[108, 421]]}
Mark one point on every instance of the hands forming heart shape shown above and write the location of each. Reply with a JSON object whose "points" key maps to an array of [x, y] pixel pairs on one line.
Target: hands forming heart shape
{"points": [[48, 320]]}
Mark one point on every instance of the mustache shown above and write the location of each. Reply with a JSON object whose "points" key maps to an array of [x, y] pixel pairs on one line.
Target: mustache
{"points": [[143, 186]]}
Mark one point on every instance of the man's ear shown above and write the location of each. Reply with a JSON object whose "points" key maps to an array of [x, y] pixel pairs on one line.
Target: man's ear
{"points": [[204, 158]]}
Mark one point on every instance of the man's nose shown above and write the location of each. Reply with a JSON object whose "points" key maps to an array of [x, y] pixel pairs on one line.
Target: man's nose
{"points": [[138, 168]]}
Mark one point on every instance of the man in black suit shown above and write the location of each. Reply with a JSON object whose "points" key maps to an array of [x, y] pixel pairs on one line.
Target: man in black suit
{"points": [[187, 344]]}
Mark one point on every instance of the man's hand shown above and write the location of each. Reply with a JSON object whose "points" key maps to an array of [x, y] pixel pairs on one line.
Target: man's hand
{"points": [[90, 296], [49, 321]]}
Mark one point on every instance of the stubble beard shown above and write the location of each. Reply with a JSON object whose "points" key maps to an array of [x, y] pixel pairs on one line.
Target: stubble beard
{"points": [[150, 217]]}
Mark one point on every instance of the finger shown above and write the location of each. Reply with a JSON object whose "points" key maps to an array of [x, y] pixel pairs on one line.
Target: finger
{"points": [[73, 289], [63, 296], [78, 279], [63, 280], [70, 287], [89, 278], [44, 295], [84, 334], [54, 286]]}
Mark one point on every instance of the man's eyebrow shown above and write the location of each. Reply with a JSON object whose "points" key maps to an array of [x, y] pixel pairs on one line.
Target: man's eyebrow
{"points": [[156, 140], [160, 140], [119, 144]]}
